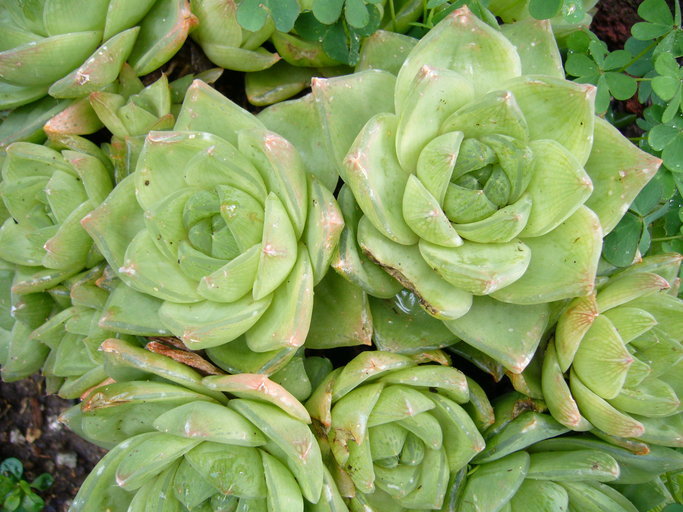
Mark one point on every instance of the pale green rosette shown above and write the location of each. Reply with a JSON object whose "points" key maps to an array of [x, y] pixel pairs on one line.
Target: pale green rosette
{"points": [[47, 192], [221, 223], [394, 433], [68, 49], [622, 351], [53, 53], [178, 443], [529, 466], [59, 331], [21, 313], [486, 182]]}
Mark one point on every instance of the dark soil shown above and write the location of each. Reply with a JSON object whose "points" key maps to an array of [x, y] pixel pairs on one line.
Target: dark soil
{"points": [[613, 21], [31, 432]]}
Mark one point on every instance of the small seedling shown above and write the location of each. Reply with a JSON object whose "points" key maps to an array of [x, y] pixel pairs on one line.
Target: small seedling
{"points": [[18, 495]]}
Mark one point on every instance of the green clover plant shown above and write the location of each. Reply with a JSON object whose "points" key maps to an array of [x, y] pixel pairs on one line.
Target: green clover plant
{"points": [[17, 494]]}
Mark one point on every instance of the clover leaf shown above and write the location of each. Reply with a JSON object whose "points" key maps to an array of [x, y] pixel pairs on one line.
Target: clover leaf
{"points": [[591, 62], [658, 20], [668, 138]]}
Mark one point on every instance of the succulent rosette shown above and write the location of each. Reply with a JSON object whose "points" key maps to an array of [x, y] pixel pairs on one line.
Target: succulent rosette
{"points": [[621, 347], [486, 182], [221, 223], [47, 192], [70, 48], [394, 431], [562, 474], [532, 467], [645, 478], [178, 443], [72, 334]]}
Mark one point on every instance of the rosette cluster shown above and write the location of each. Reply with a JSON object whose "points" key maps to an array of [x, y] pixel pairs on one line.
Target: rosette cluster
{"points": [[396, 432], [175, 278], [622, 350], [220, 222], [61, 297], [45, 193]]}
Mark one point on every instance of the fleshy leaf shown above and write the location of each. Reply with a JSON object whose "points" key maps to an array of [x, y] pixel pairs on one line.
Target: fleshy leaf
{"points": [[208, 324], [343, 115], [563, 262], [509, 333], [619, 170], [557, 395], [458, 43], [558, 187], [377, 180], [406, 265], [480, 269], [433, 95], [602, 360], [287, 320], [536, 46], [559, 110]]}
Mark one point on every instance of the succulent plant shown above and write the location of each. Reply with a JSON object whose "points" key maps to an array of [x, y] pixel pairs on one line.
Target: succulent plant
{"points": [[21, 313], [73, 336], [51, 322], [622, 349], [180, 442], [639, 484], [568, 474], [69, 49], [532, 467], [271, 77], [176, 277], [225, 42], [99, 307], [47, 193], [134, 110], [486, 182], [393, 431], [224, 226]]}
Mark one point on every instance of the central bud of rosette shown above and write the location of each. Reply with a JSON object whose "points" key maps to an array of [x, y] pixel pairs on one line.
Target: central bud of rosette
{"points": [[223, 226], [470, 184]]}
